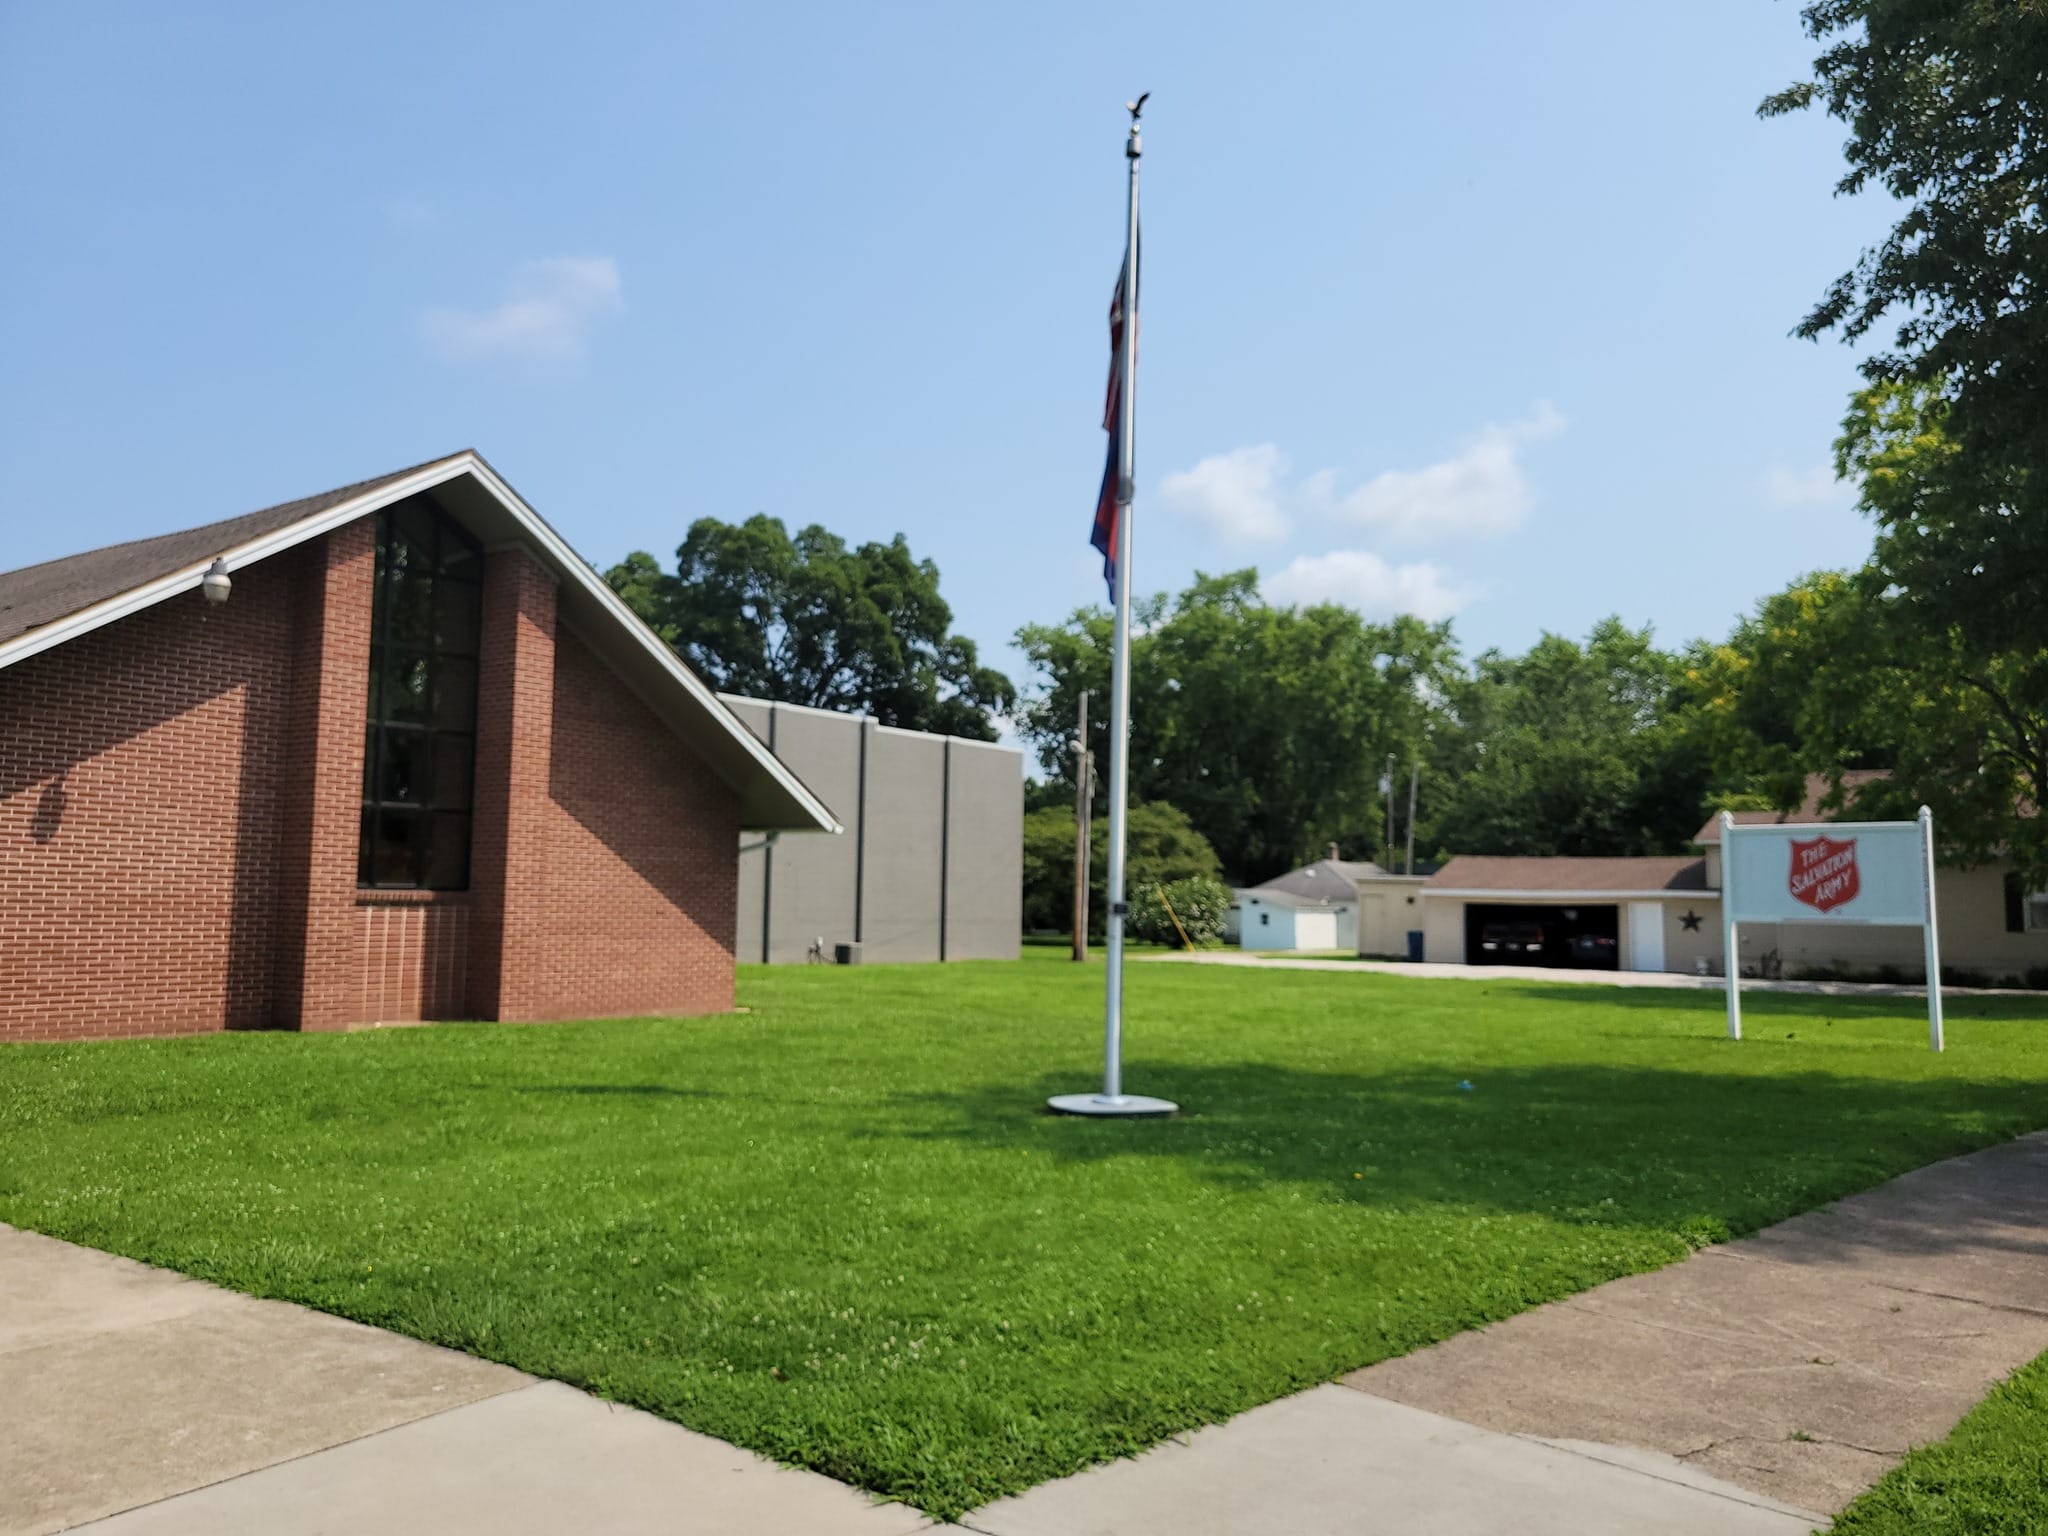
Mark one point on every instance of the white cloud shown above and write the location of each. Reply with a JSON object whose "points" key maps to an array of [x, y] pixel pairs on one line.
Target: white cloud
{"points": [[548, 310], [1235, 494], [1480, 490], [1815, 487], [1361, 580]]}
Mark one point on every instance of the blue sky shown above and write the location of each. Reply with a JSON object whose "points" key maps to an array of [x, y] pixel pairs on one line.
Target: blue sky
{"points": [[1477, 311]]}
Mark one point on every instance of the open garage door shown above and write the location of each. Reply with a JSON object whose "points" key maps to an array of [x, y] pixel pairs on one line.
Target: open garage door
{"points": [[1586, 938]]}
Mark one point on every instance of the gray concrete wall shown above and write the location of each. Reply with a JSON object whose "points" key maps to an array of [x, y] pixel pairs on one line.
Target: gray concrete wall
{"points": [[930, 866], [811, 875], [900, 888], [753, 852], [984, 851]]}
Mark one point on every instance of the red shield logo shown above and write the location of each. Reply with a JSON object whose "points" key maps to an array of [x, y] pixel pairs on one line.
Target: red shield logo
{"points": [[1823, 873]]}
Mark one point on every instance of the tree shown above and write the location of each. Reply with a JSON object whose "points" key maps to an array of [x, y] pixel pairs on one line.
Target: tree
{"points": [[1837, 672], [1947, 106], [806, 620], [1161, 848], [1569, 749], [1266, 725]]}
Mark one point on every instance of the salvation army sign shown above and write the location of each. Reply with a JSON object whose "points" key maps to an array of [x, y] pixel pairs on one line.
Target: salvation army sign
{"points": [[1823, 873], [1866, 872]]}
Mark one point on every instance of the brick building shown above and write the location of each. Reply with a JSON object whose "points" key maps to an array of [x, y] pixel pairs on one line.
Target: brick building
{"points": [[420, 763]]}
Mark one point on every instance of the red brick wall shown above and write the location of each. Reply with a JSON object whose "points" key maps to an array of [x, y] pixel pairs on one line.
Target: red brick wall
{"points": [[412, 958], [508, 864], [139, 818], [643, 868], [179, 798], [320, 953]]}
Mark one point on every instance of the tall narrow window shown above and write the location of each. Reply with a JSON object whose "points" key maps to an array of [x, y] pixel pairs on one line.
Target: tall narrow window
{"points": [[418, 758]]}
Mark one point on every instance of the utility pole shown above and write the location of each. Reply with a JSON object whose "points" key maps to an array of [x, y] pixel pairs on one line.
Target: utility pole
{"points": [[1387, 794], [1084, 800], [1414, 779]]}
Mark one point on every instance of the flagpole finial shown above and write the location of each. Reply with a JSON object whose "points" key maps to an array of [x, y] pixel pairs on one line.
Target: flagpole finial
{"points": [[1135, 108]]}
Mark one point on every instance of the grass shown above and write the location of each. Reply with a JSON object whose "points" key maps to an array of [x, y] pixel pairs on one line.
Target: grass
{"points": [[839, 1229], [1988, 1478]]}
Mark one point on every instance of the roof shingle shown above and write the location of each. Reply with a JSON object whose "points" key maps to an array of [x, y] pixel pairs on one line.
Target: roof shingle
{"points": [[42, 594]]}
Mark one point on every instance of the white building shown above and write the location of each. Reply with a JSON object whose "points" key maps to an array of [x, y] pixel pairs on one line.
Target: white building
{"points": [[1317, 907]]}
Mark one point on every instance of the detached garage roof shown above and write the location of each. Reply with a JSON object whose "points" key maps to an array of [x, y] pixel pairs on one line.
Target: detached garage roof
{"points": [[1585, 879], [1320, 883], [45, 605]]}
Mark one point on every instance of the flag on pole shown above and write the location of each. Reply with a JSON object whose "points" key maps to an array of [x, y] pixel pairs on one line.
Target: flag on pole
{"points": [[1108, 533]]}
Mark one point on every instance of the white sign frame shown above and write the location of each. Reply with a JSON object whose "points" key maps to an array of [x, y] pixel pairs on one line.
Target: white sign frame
{"points": [[1731, 962]]}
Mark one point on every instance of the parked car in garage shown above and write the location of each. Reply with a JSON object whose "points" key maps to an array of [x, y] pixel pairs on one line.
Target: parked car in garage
{"points": [[1600, 950], [1512, 938]]}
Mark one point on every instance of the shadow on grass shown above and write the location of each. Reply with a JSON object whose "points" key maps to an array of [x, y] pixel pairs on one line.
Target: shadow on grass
{"points": [[1712, 1003], [1706, 1155], [625, 1090]]}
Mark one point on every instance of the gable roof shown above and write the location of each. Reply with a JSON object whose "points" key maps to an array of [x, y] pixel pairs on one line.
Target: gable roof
{"points": [[1573, 876], [1808, 809], [37, 595], [1324, 881], [42, 606]]}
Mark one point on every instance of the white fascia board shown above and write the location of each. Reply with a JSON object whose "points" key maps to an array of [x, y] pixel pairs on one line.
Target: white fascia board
{"points": [[555, 553], [1552, 898], [106, 611], [573, 567]]}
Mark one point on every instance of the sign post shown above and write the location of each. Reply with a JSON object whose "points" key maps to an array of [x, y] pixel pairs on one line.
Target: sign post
{"points": [[1849, 873], [1934, 1032], [1731, 956]]}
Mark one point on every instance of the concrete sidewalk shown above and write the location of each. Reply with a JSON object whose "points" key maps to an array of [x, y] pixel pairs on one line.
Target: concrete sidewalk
{"points": [[1750, 1390], [141, 1403], [1801, 1363], [1335, 1462], [200, 1412], [1756, 1387]]}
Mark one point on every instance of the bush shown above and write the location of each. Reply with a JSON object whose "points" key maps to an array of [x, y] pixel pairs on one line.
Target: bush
{"points": [[1199, 902], [1161, 846]]}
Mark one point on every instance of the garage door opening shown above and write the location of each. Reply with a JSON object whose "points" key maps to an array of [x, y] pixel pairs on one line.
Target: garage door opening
{"points": [[1583, 938]]}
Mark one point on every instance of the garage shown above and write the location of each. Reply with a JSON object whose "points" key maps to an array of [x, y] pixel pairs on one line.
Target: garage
{"points": [[1569, 913], [1583, 938]]}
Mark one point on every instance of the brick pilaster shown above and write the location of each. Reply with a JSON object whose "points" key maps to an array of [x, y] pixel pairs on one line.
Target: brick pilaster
{"points": [[514, 745], [317, 959]]}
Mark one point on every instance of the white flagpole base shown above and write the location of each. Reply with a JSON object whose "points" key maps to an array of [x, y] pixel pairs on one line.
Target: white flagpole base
{"points": [[1124, 1105]]}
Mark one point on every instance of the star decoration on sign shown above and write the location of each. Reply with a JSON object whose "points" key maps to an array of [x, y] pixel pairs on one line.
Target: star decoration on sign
{"points": [[1690, 922]]}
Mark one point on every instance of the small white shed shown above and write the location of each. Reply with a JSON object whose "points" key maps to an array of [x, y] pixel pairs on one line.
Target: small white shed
{"points": [[1311, 908]]}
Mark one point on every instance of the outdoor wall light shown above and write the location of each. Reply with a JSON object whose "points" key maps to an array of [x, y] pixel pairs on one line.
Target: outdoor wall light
{"points": [[216, 583]]}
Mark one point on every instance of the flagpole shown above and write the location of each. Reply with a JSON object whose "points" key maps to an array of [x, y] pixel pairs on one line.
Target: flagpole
{"points": [[1113, 1100]]}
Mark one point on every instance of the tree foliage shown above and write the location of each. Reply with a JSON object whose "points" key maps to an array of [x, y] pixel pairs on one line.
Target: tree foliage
{"points": [[1569, 749], [1179, 912], [1851, 670], [1266, 725], [1947, 107], [808, 620], [1162, 848]]}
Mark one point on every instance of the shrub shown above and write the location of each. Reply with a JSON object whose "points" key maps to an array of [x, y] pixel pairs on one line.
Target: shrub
{"points": [[1161, 846], [1199, 901]]}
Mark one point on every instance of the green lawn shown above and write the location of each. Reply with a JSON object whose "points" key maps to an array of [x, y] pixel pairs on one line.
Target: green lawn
{"points": [[1989, 1478], [839, 1229]]}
